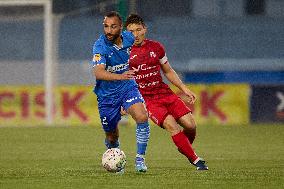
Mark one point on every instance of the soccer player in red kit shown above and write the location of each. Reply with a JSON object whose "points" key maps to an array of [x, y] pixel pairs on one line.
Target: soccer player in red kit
{"points": [[165, 108]]}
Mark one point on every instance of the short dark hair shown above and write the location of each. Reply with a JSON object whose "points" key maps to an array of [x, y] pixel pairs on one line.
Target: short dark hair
{"points": [[113, 14], [134, 19]]}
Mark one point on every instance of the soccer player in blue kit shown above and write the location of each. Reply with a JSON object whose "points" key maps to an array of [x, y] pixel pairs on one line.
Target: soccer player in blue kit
{"points": [[116, 88]]}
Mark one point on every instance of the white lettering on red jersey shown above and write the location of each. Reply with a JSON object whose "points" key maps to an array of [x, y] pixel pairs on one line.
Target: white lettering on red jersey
{"points": [[146, 61]]}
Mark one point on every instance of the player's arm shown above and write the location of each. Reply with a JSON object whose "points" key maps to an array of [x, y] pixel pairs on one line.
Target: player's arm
{"points": [[101, 74], [172, 76]]}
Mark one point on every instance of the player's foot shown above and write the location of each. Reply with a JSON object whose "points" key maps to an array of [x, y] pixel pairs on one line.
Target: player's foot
{"points": [[140, 164], [200, 159], [200, 165]]}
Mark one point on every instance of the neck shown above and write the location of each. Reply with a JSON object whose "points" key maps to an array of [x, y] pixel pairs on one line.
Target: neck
{"points": [[139, 45], [118, 41]]}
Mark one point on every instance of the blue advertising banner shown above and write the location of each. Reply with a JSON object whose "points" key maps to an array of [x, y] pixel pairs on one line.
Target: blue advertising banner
{"points": [[267, 103]]}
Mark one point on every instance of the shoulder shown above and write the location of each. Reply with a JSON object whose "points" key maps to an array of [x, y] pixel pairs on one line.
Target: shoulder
{"points": [[128, 37], [157, 47], [153, 43], [99, 46]]}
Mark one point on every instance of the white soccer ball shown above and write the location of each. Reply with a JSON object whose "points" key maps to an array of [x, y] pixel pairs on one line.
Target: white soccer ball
{"points": [[114, 160]]}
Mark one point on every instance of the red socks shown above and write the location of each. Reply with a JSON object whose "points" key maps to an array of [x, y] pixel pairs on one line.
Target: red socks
{"points": [[182, 142]]}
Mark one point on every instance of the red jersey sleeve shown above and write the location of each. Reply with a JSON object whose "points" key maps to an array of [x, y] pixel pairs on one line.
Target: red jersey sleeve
{"points": [[161, 53]]}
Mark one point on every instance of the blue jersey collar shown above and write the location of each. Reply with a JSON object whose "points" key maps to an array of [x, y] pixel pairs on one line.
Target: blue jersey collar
{"points": [[109, 43]]}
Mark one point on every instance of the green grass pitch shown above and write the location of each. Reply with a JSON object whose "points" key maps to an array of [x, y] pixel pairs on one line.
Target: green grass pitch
{"points": [[249, 156]]}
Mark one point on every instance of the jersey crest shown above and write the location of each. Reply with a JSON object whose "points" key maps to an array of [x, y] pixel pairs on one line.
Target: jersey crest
{"points": [[97, 58]]}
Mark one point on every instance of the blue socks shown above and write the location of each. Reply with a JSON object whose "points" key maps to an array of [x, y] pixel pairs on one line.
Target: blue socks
{"points": [[142, 137]]}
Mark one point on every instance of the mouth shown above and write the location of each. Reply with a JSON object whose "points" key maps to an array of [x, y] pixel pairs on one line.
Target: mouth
{"points": [[109, 36]]}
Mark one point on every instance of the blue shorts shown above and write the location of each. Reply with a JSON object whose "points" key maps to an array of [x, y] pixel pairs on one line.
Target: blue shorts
{"points": [[109, 108]]}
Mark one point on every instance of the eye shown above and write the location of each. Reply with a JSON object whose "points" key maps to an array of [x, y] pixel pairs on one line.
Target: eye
{"points": [[114, 26]]}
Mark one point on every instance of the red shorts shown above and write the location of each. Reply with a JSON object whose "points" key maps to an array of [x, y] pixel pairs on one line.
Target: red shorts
{"points": [[160, 108]]}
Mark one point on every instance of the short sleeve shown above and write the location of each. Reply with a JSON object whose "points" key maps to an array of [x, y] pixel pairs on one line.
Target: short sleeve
{"points": [[98, 56], [162, 53]]}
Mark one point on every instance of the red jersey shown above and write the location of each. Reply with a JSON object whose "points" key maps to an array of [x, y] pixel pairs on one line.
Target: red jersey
{"points": [[146, 60]]}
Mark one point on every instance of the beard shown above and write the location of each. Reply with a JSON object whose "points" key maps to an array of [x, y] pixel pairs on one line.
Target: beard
{"points": [[112, 37]]}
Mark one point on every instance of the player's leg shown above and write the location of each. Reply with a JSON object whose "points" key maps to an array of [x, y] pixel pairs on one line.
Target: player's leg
{"points": [[111, 140], [183, 115], [161, 111], [139, 114], [136, 108], [110, 116], [189, 125], [179, 138]]}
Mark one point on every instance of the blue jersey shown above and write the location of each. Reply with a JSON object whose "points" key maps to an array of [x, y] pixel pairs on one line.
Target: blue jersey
{"points": [[116, 60]]}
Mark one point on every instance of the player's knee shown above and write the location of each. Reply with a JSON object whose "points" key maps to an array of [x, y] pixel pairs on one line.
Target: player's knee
{"points": [[188, 122], [141, 118], [191, 126], [173, 129]]}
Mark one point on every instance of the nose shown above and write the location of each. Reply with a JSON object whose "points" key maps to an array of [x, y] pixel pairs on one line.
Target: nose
{"points": [[108, 30], [135, 33]]}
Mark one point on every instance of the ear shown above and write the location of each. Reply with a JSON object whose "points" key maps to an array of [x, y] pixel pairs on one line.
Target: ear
{"points": [[146, 29]]}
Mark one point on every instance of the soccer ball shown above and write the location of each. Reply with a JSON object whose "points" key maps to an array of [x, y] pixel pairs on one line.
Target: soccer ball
{"points": [[114, 160]]}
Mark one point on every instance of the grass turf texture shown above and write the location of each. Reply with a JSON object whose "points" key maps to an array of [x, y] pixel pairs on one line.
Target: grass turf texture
{"points": [[70, 157]]}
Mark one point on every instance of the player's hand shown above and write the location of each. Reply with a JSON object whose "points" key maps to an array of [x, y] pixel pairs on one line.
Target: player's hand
{"points": [[128, 75], [122, 111], [191, 96]]}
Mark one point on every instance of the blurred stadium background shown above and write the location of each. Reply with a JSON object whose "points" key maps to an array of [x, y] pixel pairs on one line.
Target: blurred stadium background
{"points": [[229, 51]]}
